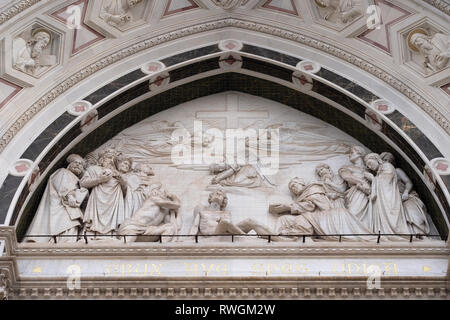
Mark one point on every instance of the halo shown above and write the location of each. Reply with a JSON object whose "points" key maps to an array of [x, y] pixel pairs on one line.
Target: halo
{"points": [[42, 30], [415, 31], [319, 4]]}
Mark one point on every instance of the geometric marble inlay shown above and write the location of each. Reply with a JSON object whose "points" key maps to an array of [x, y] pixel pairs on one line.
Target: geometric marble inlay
{"points": [[7, 91], [390, 14], [176, 6], [286, 6], [446, 88], [85, 35]]}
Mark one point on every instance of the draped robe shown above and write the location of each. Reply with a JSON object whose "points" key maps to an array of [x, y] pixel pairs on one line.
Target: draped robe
{"points": [[54, 216], [388, 214], [105, 209]]}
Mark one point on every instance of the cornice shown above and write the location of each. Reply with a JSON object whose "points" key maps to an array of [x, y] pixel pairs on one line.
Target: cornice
{"points": [[300, 250], [214, 25], [15, 9], [311, 288], [440, 5]]}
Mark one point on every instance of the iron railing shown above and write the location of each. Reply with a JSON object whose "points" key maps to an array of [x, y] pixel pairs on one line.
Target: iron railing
{"points": [[378, 236]]}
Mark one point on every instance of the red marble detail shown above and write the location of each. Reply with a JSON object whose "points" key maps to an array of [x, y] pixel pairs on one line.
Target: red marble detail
{"points": [[446, 88], [159, 81], [303, 80], [153, 68], [383, 107], [22, 167], [441, 166], [80, 108], [230, 45], [293, 11], [90, 119], [8, 98], [308, 67], [230, 60], [99, 36], [169, 3], [386, 25]]}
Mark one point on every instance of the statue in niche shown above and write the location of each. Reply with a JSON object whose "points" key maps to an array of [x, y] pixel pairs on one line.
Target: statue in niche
{"points": [[415, 210], [235, 175], [59, 212], [357, 197], [229, 4], [157, 216], [334, 185], [385, 206], [318, 211], [105, 209], [136, 181], [342, 10], [434, 49], [28, 54], [215, 220], [117, 12]]}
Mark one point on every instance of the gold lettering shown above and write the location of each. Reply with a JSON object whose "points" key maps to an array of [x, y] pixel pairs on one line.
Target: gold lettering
{"points": [[286, 268], [391, 268], [301, 268], [156, 269]]}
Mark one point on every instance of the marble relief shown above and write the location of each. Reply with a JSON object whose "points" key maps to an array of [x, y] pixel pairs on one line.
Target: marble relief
{"points": [[339, 11], [323, 184], [432, 49], [120, 13], [35, 50]]}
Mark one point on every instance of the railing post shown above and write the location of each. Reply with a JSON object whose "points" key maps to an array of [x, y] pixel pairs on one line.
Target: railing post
{"points": [[340, 238], [85, 238], [160, 238], [379, 236], [196, 238], [304, 238], [232, 238], [54, 239], [411, 238], [270, 238]]}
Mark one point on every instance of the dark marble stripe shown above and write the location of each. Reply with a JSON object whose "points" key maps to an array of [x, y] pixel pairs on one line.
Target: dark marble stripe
{"points": [[267, 68], [274, 55], [123, 98], [194, 69], [403, 145], [442, 199], [7, 192], [47, 136], [114, 86], [446, 180], [189, 55], [338, 97], [348, 85], [427, 147]]}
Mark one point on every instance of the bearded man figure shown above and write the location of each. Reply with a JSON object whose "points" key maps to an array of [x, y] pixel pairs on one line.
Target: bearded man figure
{"points": [[59, 212]]}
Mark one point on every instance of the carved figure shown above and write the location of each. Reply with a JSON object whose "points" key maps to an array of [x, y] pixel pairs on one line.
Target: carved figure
{"points": [[59, 212], [27, 54], [157, 216], [434, 49]]}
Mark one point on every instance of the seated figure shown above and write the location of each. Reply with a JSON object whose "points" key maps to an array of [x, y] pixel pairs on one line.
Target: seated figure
{"points": [[215, 220], [312, 210]]}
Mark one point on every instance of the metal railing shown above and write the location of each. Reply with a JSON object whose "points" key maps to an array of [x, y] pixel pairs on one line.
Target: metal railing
{"points": [[270, 237]]}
